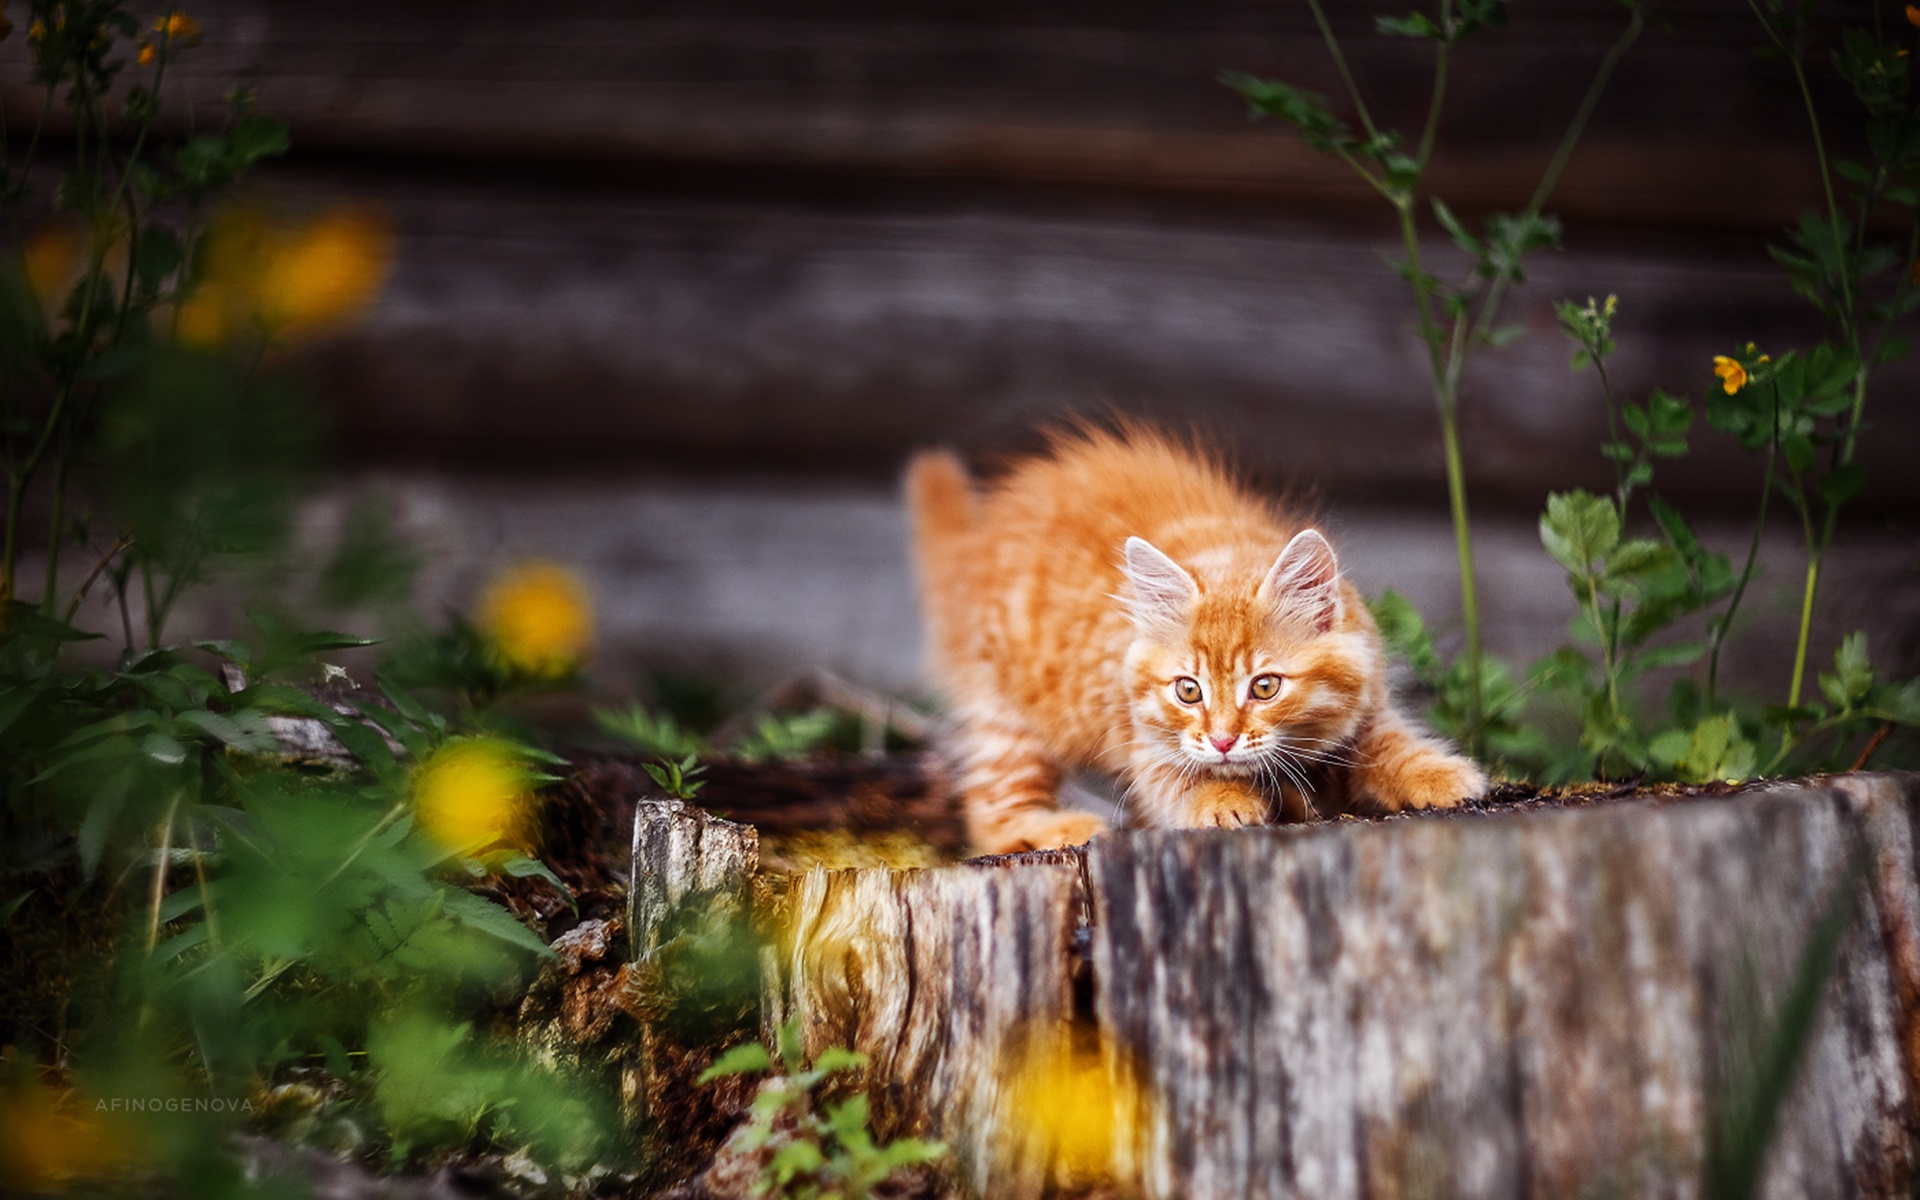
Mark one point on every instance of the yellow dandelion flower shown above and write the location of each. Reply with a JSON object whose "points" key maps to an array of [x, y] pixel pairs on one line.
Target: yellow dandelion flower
{"points": [[1070, 1100], [146, 56], [47, 1145], [37, 31], [538, 618], [325, 274], [288, 280], [471, 795], [1732, 375], [179, 25], [53, 262]]}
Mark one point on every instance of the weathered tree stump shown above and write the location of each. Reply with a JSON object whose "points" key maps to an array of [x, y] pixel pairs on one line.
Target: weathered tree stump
{"points": [[1539, 1003]]}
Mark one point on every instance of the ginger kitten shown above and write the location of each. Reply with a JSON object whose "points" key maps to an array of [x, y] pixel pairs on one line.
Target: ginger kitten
{"points": [[1122, 604]]}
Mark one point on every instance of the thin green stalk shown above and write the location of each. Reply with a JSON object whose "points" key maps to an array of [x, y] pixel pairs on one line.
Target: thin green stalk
{"points": [[1340, 64], [1717, 636], [1563, 154], [1443, 56], [1806, 625], [17, 489], [56, 525], [160, 866]]}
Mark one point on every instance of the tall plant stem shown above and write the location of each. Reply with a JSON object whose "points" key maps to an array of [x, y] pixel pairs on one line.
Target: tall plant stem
{"points": [[17, 489], [1806, 625], [1717, 637]]}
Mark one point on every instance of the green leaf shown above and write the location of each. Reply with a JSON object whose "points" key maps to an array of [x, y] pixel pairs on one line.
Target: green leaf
{"points": [[1842, 484], [741, 1060], [115, 362], [907, 1152], [1454, 228], [1303, 110], [483, 915], [1674, 656], [1579, 529], [1413, 25], [158, 256], [245, 730], [794, 1158], [1852, 676], [838, 1058], [234, 652], [1638, 557]]}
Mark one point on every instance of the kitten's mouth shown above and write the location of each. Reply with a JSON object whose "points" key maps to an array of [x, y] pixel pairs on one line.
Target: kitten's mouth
{"points": [[1233, 762]]}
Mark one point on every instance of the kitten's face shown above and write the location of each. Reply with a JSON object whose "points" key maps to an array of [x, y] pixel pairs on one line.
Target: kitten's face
{"points": [[1254, 677]]}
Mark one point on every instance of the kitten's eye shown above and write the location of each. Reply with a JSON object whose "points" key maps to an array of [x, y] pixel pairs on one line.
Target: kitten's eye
{"points": [[1188, 690], [1264, 687]]}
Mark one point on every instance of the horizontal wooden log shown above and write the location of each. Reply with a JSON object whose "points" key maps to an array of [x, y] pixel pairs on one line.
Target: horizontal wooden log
{"points": [[1109, 97]]}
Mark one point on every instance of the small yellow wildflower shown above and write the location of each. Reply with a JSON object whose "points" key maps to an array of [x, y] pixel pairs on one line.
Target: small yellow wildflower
{"points": [[1732, 375], [178, 25], [53, 262], [321, 276], [291, 280], [537, 617], [1070, 1100], [37, 31], [146, 56], [471, 795], [50, 1143], [1913, 15]]}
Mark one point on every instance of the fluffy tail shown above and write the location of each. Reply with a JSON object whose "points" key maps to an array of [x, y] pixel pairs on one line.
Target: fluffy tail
{"points": [[940, 501]]}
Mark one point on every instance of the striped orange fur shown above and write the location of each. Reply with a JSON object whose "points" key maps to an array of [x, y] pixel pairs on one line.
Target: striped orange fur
{"points": [[1122, 603]]}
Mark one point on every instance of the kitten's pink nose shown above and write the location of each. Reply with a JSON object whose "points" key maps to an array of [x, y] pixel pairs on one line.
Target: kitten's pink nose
{"points": [[1223, 744]]}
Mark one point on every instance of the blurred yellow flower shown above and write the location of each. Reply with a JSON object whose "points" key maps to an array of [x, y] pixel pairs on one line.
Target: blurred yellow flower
{"points": [[146, 56], [1913, 15], [327, 272], [537, 616], [290, 280], [177, 24], [1071, 1102], [48, 1146], [1732, 375], [53, 262], [471, 795]]}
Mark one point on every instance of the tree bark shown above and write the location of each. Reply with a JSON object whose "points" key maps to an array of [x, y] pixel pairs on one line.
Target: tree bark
{"points": [[1528, 1003]]}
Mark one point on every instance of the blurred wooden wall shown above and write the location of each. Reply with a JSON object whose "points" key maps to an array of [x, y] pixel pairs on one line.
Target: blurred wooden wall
{"points": [[795, 242]]}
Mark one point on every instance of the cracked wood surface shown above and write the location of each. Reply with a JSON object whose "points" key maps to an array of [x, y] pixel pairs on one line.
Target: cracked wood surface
{"points": [[1536, 1006], [1541, 1003]]}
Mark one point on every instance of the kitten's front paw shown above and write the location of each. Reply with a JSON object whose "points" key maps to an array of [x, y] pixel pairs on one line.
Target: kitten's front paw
{"points": [[1437, 781], [1036, 829], [1225, 804]]}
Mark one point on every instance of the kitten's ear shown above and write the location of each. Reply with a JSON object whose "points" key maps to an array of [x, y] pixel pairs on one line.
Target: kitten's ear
{"points": [[1163, 592], [1304, 582]]}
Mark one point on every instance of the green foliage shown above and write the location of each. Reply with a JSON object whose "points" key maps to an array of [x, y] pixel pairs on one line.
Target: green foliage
{"points": [[788, 735], [1454, 318], [280, 913], [1765, 1039], [677, 778], [650, 733], [1445, 683], [820, 1149]]}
